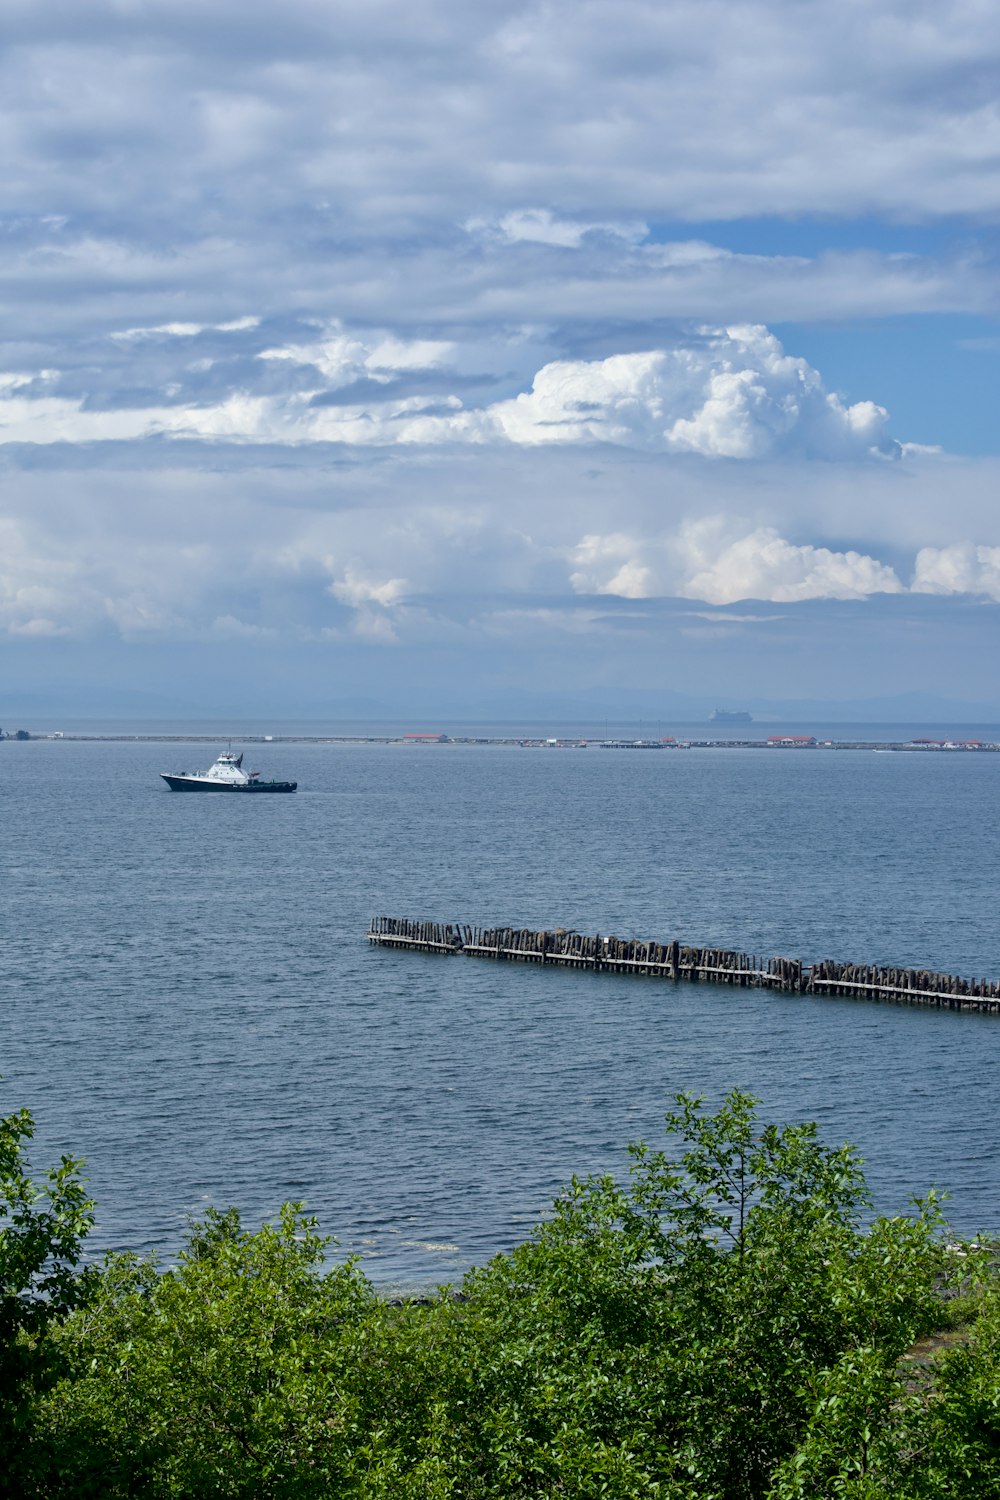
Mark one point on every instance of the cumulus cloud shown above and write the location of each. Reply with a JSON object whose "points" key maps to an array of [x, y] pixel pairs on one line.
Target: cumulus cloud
{"points": [[736, 395], [505, 349], [456, 548], [764, 565], [617, 564], [730, 393], [959, 569], [712, 560]]}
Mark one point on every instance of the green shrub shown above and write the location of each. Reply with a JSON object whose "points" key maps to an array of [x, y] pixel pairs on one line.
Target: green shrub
{"points": [[724, 1325]]}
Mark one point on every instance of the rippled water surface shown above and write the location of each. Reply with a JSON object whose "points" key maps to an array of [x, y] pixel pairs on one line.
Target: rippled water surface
{"points": [[189, 1000]]}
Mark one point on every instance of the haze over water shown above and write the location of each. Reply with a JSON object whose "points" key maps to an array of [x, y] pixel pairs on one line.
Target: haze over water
{"points": [[191, 1004]]}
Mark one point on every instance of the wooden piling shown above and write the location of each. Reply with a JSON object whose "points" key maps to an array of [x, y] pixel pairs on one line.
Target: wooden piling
{"points": [[675, 960]]}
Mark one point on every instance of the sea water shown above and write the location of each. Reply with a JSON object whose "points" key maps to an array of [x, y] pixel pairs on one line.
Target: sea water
{"points": [[190, 1003]]}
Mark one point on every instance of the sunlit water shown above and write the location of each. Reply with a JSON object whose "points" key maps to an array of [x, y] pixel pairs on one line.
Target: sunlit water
{"points": [[189, 1000]]}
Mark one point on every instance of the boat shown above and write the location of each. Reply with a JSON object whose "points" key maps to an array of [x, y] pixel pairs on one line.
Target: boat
{"points": [[226, 775], [727, 716]]}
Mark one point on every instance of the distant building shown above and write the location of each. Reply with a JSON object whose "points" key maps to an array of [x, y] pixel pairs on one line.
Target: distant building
{"points": [[634, 744], [426, 739], [797, 741]]}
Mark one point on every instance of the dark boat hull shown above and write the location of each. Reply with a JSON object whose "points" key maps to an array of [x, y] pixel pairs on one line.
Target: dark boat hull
{"points": [[203, 784]]}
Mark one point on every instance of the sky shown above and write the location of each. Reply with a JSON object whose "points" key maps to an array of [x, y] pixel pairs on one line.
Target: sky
{"points": [[444, 359]]}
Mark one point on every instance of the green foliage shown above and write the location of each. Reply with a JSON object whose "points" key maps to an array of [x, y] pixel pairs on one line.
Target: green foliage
{"points": [[950, 1437], [42, 1228], [698, 1307], [848, 1449], [229, 1375], [724, 1325]]}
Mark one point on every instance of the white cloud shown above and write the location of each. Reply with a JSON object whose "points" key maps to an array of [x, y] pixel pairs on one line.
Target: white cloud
{"points": [[735, 394], [317, 176], [763, 565], [715, 561], [687, 254], [730, 393], [168, 330], [184, 330], [354, 589], [343, 358], [542, 227], [394, 354], [12, 381], [483, 370], [615, 564], [959, 569], [798, 110], [433, 546]]}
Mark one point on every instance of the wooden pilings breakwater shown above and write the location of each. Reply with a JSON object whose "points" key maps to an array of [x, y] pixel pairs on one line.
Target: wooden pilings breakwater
{"points": [[676, 960]]}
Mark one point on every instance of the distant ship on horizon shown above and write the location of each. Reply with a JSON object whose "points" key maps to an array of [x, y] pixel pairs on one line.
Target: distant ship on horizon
{"points": [[726, 716]]}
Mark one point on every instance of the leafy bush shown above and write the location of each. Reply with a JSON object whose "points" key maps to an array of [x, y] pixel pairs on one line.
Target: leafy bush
{"points": [[723, 1325], [695, 1311], [229, 1375], [42, 1228]]}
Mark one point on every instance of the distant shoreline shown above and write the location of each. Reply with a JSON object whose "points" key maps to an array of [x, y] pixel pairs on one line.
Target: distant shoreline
{"points": [[788, 743]]}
